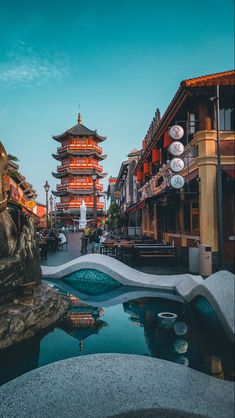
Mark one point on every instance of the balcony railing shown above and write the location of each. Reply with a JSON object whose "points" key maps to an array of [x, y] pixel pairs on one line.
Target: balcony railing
{"points": [[80, 146], [77, 205], [78, 167], [79, 185]]}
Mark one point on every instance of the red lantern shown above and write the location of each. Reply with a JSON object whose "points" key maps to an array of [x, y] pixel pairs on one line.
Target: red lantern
{"points": [[155, 155], [146, 167], [167, 140], [139, 176]]}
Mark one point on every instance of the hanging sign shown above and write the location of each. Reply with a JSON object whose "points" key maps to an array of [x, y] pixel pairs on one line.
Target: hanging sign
{"points": [[177, 165], [177, 181], [30, 204], [176, 149], [176, 132]]}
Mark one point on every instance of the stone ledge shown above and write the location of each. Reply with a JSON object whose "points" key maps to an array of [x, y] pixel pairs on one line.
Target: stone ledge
{"points": [[112, 385], [21, 320]]}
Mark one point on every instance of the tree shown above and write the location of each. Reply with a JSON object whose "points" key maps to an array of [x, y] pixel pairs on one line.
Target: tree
{"points": [[114, 217], [12, 157]]}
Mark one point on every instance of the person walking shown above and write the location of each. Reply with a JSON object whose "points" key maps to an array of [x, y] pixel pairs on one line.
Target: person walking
{"points": [[95, 240], [85, 238]]}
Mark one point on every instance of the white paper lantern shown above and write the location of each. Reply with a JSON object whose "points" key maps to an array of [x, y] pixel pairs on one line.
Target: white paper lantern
{"points": [[177, 165], [177, 181], [176, 148], [176, 132]]}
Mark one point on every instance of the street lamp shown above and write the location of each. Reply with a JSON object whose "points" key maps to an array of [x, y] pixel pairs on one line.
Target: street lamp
{"points": [[94, 177], [55, 209], [51, 208], [46, 188]]}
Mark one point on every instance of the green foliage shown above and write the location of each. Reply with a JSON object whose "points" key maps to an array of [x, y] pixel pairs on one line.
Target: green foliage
{"points": [[12, 157], [114, 217]]}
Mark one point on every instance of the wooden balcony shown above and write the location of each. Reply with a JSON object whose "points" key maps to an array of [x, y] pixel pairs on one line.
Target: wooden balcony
{"points": [[79, 186], [89, 145], [80, 166], [76, 205]]}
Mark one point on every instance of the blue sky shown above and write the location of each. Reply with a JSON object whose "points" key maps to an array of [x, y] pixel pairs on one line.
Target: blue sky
{"points": [[118, 60]]}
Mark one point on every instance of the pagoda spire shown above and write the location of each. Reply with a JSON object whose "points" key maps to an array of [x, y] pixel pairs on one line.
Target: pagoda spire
{"points": [[79, 119]]}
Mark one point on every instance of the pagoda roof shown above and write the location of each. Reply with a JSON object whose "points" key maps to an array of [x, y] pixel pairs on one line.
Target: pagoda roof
{"points": [[79, 154], [74, 192], [68, 173], [79, 130]]}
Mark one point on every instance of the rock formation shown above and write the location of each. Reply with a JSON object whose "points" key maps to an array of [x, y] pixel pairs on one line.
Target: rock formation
{"points": [[26, 305]]}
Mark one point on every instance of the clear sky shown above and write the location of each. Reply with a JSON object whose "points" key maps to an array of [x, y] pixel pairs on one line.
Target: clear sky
{"points": [[118, 59]]}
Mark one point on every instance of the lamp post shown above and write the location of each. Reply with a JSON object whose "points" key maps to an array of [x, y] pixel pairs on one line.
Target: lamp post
{"points": [[55, 209], [51, 208], [46, 188], [94, 178]]}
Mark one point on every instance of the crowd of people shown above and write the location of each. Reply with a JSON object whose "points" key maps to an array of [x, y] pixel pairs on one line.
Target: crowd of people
{"points": [[50, 239], [54, 239], [93, 236]]}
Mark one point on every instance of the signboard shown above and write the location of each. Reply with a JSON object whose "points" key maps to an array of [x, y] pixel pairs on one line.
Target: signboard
{"points": [[177, 181], [30, 204], [176, 132], [177, 165], [14, 193], [176, 148]]}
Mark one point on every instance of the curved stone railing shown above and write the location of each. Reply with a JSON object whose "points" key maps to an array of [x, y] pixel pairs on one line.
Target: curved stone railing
{"points": [[125, 386], [124, 274], [218, 289]]}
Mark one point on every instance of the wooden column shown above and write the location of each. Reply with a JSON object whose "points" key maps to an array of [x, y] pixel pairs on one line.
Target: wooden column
{"points": [[207, 164], [143, 221], [155, 220], [147, 219]]}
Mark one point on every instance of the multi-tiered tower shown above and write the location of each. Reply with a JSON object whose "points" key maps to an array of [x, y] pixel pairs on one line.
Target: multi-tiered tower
{"points": [[79, 155]]}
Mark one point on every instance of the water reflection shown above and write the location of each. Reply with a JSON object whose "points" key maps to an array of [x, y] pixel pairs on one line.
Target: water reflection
{"points": [[178, 340], [151, 326], [82, 320]]}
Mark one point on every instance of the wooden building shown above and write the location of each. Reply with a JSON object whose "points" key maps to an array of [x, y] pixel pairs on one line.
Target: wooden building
{"points": [[189, 215], [79, 155]]}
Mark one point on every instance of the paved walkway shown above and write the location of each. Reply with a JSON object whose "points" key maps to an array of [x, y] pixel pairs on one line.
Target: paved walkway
{"points": [[55, 258], [74, 250]]}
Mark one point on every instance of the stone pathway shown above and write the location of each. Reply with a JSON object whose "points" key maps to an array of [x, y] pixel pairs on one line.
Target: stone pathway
{"points": [[55, 258], [74, 250]]}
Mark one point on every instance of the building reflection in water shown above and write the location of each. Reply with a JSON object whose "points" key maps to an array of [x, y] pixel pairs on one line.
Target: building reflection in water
{"points": [[178, 342], [82, 320]]}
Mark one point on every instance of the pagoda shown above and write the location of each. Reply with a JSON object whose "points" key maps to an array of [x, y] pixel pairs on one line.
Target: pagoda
{"points": [[79, 154]]}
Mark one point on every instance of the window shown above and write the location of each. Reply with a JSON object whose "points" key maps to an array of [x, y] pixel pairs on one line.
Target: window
{"points": [[191, 123], [226, 119], [191, 216]]}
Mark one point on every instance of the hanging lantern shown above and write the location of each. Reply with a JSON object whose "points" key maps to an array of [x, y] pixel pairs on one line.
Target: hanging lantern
{"points": [[167, 140], [139, 176], [147, 167], [155, 155]]}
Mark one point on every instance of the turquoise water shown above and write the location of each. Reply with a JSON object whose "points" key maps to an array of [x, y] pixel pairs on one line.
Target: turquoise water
{"points": [[91, 282], [131, 327]]}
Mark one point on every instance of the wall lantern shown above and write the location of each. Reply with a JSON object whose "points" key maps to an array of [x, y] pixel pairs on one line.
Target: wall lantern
{"points": [[146, 167]]}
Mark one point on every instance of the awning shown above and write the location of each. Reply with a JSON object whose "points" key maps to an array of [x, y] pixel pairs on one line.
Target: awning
{"points": [[230, 171], [137, 206]]}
